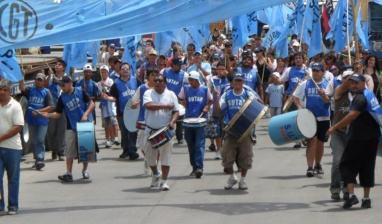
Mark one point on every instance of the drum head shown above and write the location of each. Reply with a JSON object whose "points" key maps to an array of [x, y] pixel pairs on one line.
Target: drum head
{"points": [[306, 123], [26, 132], [182, 110], [194, 120], [130, 117]]}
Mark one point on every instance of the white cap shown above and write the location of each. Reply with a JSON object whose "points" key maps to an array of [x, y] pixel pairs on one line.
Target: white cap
{"points": [[104, 67], [194, 75], [276, 74], [87, 67], [296, 44], [347, 73]]}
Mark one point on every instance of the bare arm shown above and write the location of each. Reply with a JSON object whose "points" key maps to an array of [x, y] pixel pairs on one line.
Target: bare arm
{"points": [[11, 132], [350, 117], [296, 101], [153, 106]]}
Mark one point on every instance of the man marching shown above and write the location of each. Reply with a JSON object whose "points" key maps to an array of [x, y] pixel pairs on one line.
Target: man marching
{"points": [[197, 100]]}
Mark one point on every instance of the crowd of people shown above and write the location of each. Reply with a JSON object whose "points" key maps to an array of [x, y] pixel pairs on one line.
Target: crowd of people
{"points": [[192, 96]]}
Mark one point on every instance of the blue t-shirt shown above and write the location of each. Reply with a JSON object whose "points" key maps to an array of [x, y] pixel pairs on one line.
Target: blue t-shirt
{"points": [[230, 103], [174, 80], [196, 100], [250, 77], [275, 95], [37, 99]]}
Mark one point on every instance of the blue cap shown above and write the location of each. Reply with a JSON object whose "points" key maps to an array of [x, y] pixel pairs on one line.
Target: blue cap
{"points": [[318, 66], [238, 76], [358, 77], [197, 52]]}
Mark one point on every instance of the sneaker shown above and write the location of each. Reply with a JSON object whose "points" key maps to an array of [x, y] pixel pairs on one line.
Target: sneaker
{"points": [[297, 145], [12, 211], [304, 142], [212, 147], [164, 186], [243, 185], [225, 170], [232, 180], [155, 179], [217, 155], [67, 177], [192, 174], [123, 155], [107, 144], [318, 169], [346, 196], [180, 141], [253, 139], [350, 202], [146, 167], [133, 156], [310, 172], [54, 156], [61, 158], [85, 174], [335, 197], [366, 203], [116, 141], [198, 173], [40, 165]]}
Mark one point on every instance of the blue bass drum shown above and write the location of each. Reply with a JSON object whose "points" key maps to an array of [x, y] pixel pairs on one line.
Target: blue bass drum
{"points": [[246, 118], [291, 127], [86, 142]]}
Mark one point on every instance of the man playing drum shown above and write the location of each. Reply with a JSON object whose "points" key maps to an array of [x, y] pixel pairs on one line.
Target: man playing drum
{"points": [[78, 107], [229, 104], [138, 102], [197, 100], [310, 93], [162, 109]]}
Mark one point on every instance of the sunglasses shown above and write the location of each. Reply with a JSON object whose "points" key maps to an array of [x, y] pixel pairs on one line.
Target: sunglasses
{"points": [[125, 69], [158, 80]]}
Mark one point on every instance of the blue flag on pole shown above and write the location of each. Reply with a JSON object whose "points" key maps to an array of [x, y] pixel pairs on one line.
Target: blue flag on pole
{"points": [[276, 25], [130, 44], [252, 23], [9, 67], [363, 29], [75, 55], [312, 29], [93, 49], [239, 32], [163, 41]]}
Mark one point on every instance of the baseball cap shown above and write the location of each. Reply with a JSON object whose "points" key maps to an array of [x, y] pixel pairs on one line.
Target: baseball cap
{"points": [[276, 74], [87, 67], [197, 52], [194, 75], [104, 67], [296, 44], [346, 68], [358, 77], [112, 45], [153, 52], [65, 79], [366, 51], [238, 76], [347, 73], [177, 61], [216, 56], [318, 66], [258, 49], [40, 76]]}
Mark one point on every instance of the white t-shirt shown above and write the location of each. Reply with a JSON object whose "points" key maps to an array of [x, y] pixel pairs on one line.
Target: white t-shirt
{"points": [[157, 119], [109, 109], [11, 115]]}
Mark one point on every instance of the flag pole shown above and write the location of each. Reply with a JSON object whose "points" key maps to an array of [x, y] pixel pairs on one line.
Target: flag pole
{"points": [[355, 36], [347, 30]]}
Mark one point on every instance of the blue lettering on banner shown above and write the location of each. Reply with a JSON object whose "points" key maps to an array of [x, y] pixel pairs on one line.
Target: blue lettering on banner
{"points": [[21, 24]]}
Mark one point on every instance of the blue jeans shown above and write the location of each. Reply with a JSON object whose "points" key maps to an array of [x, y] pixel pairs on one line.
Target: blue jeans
{"points": [[196, 140], [128, 139], [10, 160], [337, 143], [37, 135]]}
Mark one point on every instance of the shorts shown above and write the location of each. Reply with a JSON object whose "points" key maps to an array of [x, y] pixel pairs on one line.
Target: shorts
{"points": [[71, 140], [141, 140], [165, 152], [322, 128], [107, 122], [233, 150]]}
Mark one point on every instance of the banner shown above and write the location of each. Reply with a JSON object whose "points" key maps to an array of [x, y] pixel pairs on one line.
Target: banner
{"points": [[9, 67]]}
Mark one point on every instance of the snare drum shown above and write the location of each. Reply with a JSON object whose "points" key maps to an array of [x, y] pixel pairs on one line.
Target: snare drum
{"points": [[160, 137], [194, 122], [86, 142], [141, 125], [246, 118], [293, 126]]}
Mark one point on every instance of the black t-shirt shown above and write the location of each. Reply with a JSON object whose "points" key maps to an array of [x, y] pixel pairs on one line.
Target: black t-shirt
{"points": [[364, 126], [60, 107]]}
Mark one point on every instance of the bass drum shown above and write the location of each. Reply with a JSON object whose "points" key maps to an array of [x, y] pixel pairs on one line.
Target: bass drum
{"points": [[25, 132]]}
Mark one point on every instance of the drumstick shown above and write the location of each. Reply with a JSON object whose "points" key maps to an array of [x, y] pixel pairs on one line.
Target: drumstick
{"points": [[32, 109]]}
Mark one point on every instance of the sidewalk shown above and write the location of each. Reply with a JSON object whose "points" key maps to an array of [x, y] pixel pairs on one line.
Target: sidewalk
{"points": [[118, 191]]}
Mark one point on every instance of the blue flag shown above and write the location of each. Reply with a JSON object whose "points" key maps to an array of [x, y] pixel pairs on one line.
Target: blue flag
{"points": [[312, 29], [363, 29], [276, 25], [252, 23], [93, 49], [130, 44], [75, 55], [163, 41], [239, 32], [9, 67]]}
